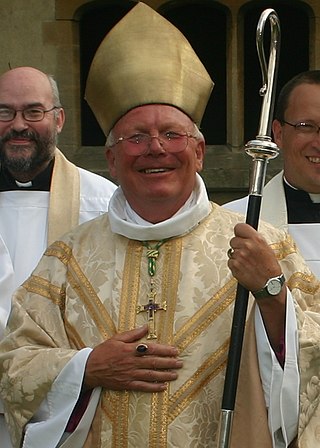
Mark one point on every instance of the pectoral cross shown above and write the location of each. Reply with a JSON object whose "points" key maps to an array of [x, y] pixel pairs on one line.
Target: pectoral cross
{"points": [[151, 308]]}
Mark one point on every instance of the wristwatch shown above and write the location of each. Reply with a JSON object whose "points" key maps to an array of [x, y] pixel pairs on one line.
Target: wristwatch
{"points": [[271, 288]]}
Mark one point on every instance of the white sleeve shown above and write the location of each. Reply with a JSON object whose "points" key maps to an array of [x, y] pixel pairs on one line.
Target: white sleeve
{"points": [[280, 386], [7, 289], [6, 285], [55, 410]]}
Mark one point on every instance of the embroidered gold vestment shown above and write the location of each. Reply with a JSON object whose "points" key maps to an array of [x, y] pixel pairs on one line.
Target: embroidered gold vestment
{"points": [[87, 288]]}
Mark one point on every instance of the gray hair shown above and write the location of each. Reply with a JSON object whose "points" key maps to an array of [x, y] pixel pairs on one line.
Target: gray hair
{"points": [[55, 91]]}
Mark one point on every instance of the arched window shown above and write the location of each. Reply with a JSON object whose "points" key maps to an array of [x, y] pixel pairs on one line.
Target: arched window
{"points": [[96, 21], [204, 25]]}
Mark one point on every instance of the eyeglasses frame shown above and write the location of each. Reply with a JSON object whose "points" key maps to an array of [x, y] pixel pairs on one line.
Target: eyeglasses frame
{"points": [[23, 116], [294, 125], [124, 139]]}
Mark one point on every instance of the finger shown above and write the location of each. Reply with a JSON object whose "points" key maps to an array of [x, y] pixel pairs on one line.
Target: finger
{"points": [[144, 386], [143, 350], [244, 230], [157, 376], [137, 378], [132, 335], [159, 363]]}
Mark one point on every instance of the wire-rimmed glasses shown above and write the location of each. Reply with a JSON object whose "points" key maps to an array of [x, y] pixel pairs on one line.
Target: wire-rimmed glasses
{"points": [[138, 144], [304, 127]]}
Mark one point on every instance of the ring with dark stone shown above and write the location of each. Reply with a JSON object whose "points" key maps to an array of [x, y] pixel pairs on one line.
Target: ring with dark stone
{"points": [[141, 348]]}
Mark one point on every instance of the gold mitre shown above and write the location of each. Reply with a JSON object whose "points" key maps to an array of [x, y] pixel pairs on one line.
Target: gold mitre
{"points": [[144, 59]]}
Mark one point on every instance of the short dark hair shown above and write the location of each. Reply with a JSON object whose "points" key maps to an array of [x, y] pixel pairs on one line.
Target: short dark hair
{"points": [[307, 77]]}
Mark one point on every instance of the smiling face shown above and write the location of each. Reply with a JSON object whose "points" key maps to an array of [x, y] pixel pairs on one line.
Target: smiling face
{"points": [[157, 183], [27, 147], [301, 152]]}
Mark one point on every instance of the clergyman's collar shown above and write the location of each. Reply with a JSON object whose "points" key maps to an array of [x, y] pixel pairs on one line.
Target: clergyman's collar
{"points": [[41, 182]]}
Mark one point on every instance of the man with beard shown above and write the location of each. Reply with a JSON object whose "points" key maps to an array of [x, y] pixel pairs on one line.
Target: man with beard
{"points": [[42, 194]]}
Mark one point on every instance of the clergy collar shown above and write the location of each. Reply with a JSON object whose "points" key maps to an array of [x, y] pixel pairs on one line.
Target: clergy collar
{"points": [[314, 197], [41, 182], [300, 207], [126, 222]]}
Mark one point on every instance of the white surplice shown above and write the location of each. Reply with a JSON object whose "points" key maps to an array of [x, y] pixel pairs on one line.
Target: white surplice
{"points": [[24, 230], [274, 211], [24, 221]]}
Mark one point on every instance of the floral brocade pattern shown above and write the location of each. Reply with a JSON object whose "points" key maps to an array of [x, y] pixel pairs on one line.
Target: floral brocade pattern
{"points": [[64, 312]]}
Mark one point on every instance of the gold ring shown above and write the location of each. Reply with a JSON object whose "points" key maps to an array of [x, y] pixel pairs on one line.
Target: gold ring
{"points": [[230, 252], [141, 348]]}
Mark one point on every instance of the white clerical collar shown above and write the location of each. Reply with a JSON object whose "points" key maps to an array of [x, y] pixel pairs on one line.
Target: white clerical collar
{"points": [[315, 197], [125, 221], [24, 184]]}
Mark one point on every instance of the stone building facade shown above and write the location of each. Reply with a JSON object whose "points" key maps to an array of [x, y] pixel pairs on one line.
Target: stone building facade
{"points": [[61, 36]]}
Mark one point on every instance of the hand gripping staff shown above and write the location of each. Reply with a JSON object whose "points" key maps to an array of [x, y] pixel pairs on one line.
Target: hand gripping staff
{"points": [[261, 150]]}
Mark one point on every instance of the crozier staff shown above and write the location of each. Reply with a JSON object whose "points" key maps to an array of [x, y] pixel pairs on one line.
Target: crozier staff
{"points": [[123, 378], [261, 149]]}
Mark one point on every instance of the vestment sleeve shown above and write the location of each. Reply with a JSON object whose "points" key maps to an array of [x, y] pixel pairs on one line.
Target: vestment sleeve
{"points": [[280, 385], [57, 406]]}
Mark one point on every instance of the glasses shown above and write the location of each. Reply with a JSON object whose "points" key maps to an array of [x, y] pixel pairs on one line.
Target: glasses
{"points": [[304, 127], [29, 114], [139, 144]]}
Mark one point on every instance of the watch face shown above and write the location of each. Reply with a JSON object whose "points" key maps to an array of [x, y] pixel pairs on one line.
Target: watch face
{"points": [[274, 287]]}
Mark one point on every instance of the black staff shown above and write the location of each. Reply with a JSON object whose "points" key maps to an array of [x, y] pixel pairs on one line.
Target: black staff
{"points": [[261, 150]]}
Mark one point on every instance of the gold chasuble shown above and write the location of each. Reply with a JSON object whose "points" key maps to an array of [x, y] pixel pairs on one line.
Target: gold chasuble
{"points": [[62, 312]]}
